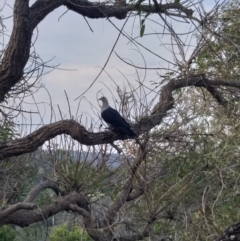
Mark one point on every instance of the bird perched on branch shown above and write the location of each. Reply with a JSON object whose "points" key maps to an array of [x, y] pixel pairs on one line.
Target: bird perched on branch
{"points": [[114, 119]]}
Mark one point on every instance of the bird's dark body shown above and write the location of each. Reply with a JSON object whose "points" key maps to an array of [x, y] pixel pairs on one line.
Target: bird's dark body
{"points": [[116, 121]]}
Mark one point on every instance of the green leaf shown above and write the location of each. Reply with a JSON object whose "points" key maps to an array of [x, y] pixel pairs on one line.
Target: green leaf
{"points": [[142, 30], [177, 1]]}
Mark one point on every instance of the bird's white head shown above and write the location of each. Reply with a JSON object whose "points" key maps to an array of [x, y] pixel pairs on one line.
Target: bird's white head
{"points": [[104, 103]]}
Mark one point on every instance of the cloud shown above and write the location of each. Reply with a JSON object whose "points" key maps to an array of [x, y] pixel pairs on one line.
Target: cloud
{"points": [[67, 37]]}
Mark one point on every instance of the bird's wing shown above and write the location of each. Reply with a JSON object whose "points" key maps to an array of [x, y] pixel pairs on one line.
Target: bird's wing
{"points": [[113, 117], [115, 120]]}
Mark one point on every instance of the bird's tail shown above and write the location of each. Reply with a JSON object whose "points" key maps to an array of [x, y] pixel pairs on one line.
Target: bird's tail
{"points": [[127, 131]]}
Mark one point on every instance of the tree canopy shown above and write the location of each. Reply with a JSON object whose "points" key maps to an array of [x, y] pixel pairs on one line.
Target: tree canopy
{"points": [[177, 180]]}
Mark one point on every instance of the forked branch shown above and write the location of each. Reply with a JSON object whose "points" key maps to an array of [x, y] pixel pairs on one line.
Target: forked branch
{"points": [[36, 139], [24, 218]]}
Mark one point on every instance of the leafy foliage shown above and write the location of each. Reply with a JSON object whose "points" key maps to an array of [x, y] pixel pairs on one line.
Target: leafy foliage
{"points": [[7, 233], [64, 234], [220, 56], [8, 130]]}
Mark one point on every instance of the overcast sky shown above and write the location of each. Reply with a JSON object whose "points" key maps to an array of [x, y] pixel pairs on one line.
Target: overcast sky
{"points": [[71, 43]]}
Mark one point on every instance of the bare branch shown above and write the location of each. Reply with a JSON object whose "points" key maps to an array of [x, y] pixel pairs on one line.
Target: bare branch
{"points": [[42, 186], [102, 10], [36, 139], [13, 208], [24, 218]]}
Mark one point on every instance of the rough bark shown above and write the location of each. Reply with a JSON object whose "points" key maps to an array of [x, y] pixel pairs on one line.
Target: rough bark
{"points": [[24, 218], [7, 211], [42, 186], [17, 52], [36, 139]]}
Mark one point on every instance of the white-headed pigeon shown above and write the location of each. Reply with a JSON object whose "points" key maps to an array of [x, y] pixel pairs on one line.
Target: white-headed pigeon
{"points": [[114, 119]]}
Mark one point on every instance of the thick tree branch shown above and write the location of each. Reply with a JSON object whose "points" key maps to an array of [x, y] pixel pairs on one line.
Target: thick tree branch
{"points": [[74, 202], [40, 9], [42, 186], [70, 127], [24, 218], [91, 227], [13, 208], [36, 139], [89, 222], [79, 210], [17, 52], [166, 100], [102, 10]]}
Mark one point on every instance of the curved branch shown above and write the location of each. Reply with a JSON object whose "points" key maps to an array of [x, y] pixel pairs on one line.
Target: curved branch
{"points": [[13, 208], [42, 186], [166, 100], [102, 10], [36, 139], [24, 218], [75, 202], [89, 222], [79, 210], [40, 9]]}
